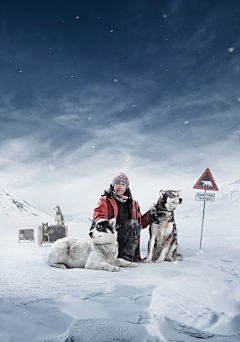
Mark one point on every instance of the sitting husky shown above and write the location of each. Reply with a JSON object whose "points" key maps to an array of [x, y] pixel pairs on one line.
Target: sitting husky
{"points": [[163, 231], [98, 252], [59, 219], [45, 231]]}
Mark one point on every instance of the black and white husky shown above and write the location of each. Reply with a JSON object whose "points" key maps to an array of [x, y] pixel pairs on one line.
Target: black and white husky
{"points": [[163, 231], [98, 252]]}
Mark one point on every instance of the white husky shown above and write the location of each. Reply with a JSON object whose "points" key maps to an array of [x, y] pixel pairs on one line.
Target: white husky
{"points": [[98, 252]]}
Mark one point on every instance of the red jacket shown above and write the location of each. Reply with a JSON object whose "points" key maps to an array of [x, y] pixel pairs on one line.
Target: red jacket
{"points": [[107, 209]]}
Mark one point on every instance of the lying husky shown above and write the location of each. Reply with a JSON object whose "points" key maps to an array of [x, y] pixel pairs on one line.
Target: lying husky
{"points": [[163, 231], [98, 252]]}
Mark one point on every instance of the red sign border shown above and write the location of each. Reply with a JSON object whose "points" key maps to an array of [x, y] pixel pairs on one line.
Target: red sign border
{"points": [[215, 188]]}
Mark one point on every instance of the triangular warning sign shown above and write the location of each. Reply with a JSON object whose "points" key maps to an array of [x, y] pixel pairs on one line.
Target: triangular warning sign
{"points": [[206, 182]]}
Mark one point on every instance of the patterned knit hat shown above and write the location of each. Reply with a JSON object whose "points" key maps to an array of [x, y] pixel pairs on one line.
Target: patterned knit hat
{"points": [[121, 177]]}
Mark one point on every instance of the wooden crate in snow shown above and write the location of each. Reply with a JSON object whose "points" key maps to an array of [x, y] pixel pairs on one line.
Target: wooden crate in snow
{"points": [[51, 234], [26, 235]]}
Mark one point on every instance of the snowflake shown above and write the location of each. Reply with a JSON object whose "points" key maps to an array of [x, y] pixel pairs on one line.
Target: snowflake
{"points": [[71, 76], [77, 17], [20, 70], [186, 122], [111, 30], [231, 49], [134, 105], [115, 80], [164, 15], [93, 146]]}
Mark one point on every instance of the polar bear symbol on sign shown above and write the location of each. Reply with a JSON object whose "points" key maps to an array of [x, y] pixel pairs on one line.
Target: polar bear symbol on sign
{"points": [[207, 184]]}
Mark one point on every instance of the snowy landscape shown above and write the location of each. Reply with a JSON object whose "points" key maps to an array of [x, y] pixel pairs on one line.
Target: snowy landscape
{"points": [[92, 88], [180, 301]]}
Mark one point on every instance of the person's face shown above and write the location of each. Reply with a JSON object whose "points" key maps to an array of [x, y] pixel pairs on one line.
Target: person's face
{"points": [[120, 188]]}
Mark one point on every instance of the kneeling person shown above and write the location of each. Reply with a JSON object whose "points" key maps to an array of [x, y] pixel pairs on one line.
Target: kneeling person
{"points": [[117, 202]]}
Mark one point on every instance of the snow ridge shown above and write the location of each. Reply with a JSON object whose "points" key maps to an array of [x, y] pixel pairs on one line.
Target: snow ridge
{"points": [[13, 207]]}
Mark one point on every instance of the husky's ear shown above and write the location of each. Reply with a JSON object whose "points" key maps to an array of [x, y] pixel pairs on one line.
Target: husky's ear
{"points": [[91, 220], [179, 192], [161, 193], [112, 223]]}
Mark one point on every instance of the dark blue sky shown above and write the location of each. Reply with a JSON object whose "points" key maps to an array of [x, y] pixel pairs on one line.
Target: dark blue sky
{"points": [[142, 87]]}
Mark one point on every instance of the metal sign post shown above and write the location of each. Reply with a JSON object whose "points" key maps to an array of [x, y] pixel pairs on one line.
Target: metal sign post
{"points": [[202, 222]]}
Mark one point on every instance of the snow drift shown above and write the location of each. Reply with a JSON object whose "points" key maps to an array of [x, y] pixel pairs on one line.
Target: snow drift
{"points": [[180, 301]]}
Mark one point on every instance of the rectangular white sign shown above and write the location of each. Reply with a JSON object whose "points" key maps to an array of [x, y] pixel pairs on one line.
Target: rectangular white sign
{"points": [[202, 196]]}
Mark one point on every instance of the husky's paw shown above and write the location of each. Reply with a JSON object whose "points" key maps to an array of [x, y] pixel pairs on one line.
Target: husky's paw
{"points": [[146, 261], [158, 261], [132, 264], [170, 259], [115, 269], [179, 257]]}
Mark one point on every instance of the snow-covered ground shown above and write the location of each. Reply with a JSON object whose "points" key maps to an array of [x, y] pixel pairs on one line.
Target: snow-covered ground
{"points": [[180, 301]]}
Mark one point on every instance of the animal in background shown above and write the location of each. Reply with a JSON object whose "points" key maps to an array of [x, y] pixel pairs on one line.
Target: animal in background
{"points": [[59, 219], [45, 231]]}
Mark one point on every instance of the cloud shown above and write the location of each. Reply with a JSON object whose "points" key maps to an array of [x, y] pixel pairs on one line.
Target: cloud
{"points": [[136, 124]]}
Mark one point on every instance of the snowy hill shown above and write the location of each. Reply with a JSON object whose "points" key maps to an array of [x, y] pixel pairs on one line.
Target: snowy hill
{"points": [[180, 301], [226, 203], [236, 182], [14, 208], [76, 218]]}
